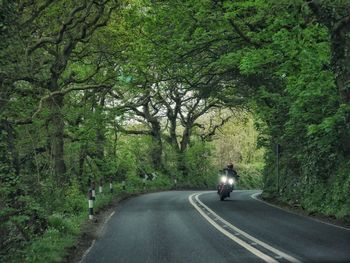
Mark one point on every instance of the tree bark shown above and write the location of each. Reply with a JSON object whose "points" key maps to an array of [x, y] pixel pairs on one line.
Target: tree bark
{"points": [[186, 139], [82, 157], [186, 136], [100, 131], [340, 46], [56, 132], [172, 133], [157, 145], [14, 159]]}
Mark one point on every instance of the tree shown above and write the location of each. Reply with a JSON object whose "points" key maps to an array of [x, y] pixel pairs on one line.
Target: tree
{"points": [[335, 16], [58, 42]]}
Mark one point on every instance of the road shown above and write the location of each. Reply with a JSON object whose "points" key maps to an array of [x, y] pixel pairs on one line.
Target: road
{"points": [[185, 226]]}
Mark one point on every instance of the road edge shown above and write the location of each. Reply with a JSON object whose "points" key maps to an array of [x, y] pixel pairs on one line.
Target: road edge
{"points": [[91, 230], [301, 212]]}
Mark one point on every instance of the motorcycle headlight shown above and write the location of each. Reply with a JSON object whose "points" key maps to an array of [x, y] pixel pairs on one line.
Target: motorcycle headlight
{"points": [[223, 179], [231, 181]]}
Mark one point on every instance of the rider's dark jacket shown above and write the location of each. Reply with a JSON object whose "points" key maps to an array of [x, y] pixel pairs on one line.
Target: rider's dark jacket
{"points": [[230, 172]]}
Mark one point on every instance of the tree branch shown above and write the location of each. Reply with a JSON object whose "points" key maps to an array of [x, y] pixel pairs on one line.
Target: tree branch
{"points": [[60, 33], [213, 129], [242, 35], [341, 24], [135, 132]]}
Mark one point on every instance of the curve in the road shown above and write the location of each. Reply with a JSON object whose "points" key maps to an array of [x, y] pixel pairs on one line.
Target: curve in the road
{"points": [[255, 197], [165, 227], [252, 244], [299, 236]]}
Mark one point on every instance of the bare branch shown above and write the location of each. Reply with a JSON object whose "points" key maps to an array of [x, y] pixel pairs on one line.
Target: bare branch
{"points": [[213, 129], [37, 12], [71, 78], [135, 132], [342, 23], [60, 33], [55, 93]]}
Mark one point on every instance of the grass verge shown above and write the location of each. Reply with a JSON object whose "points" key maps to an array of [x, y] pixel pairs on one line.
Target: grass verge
{"points": [[65, 229]]}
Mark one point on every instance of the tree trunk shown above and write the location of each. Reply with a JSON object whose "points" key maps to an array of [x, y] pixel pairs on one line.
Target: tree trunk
{"points": [[157, 146], [82, 156], [172, 132], [186, 137], [11, 147], [340, 44], [183, 146], [100, 131], [181, 163], [340, 48], [56, 131]]}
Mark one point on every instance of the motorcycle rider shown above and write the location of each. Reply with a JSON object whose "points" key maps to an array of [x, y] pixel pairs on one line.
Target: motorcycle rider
{"points": [[231, 173]]}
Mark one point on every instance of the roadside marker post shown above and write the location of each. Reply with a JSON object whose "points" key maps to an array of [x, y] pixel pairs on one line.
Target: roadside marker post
{"points": [[154, 176], [100, 188], [145, 177], [111, 184], [175, 183], [91, 204], [93, 192]]}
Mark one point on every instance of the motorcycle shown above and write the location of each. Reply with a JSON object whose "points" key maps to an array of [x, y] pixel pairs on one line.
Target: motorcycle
{"points": [[226, 186]]}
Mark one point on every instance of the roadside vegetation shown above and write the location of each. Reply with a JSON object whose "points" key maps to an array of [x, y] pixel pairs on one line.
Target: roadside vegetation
{"points": [[116, 90]]}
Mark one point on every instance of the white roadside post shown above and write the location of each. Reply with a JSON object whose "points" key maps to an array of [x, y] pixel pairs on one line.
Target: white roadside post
{"points": [[91, 204], [100, 189], [154, 176], [144, 181], [93, 192], [111, 184]]}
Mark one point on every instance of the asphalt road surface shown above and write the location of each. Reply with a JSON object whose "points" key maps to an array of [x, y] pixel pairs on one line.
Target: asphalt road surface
{"points": [[187, 226]]}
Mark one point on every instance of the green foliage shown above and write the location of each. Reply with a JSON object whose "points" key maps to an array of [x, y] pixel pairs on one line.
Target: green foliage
{"points": [[299, 102], [134, 182], [62, 224], [251, 176], [202, 173], [331, 197], [63, 228], [133, 156], [120, 83], [161, 182], [171, 158], [74, 199], [48, 248]]}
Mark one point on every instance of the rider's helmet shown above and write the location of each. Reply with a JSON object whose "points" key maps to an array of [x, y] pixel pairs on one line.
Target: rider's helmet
{"points": [[230, 166]]}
